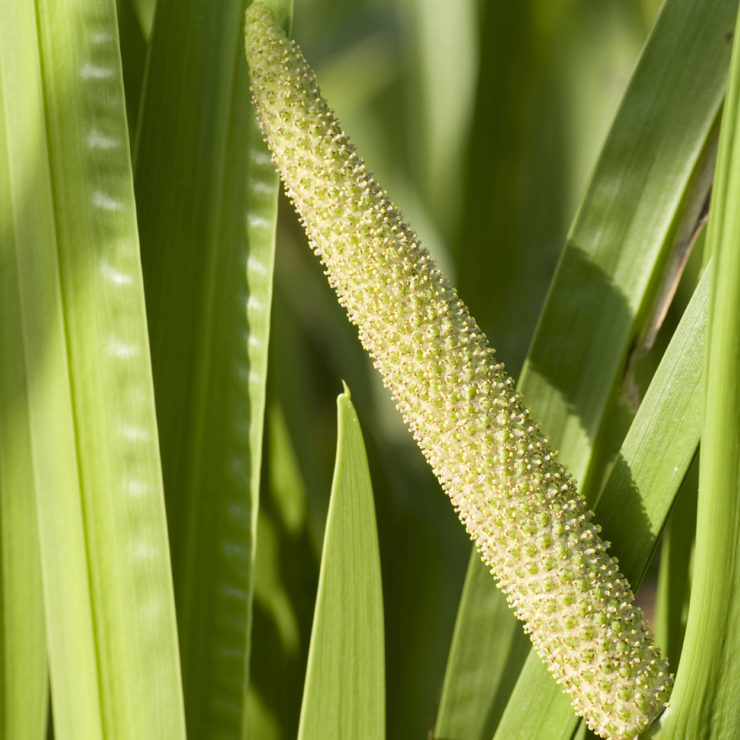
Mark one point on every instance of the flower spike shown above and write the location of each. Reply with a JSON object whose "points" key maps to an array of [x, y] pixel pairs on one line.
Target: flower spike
{"points": [[516, 501]]}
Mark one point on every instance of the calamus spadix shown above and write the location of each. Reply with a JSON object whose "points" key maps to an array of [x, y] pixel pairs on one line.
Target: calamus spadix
{"points": [[517, 502]]}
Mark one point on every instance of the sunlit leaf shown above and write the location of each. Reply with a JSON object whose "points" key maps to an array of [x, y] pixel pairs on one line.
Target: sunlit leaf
{"points": [[344, 694]]}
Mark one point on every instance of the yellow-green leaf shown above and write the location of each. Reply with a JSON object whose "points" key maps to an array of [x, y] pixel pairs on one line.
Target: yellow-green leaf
{"points": [[344, 694]]}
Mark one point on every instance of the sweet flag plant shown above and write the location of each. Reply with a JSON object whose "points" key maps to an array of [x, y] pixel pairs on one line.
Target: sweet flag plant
{"points": [[518, 504]]}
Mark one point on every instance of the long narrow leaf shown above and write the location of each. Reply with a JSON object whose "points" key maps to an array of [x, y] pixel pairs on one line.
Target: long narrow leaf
{"points": [[704, 702], [207, 198], [611, 267], [23, 669], [672, 598], [92, 435], [42, 410], [116, 435], [344, 694], [637, 209]]}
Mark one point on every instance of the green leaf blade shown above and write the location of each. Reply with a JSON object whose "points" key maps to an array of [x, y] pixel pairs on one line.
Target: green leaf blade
{"points": [[110, 375], [344, 693], [635, 213], [23, 668], [676, 555], [108, 597], [623, 233], [207, 199], [704, 701]]}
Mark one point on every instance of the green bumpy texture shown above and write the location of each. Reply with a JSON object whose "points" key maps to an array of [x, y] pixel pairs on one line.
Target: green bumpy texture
{"points": [[518, 504]]}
